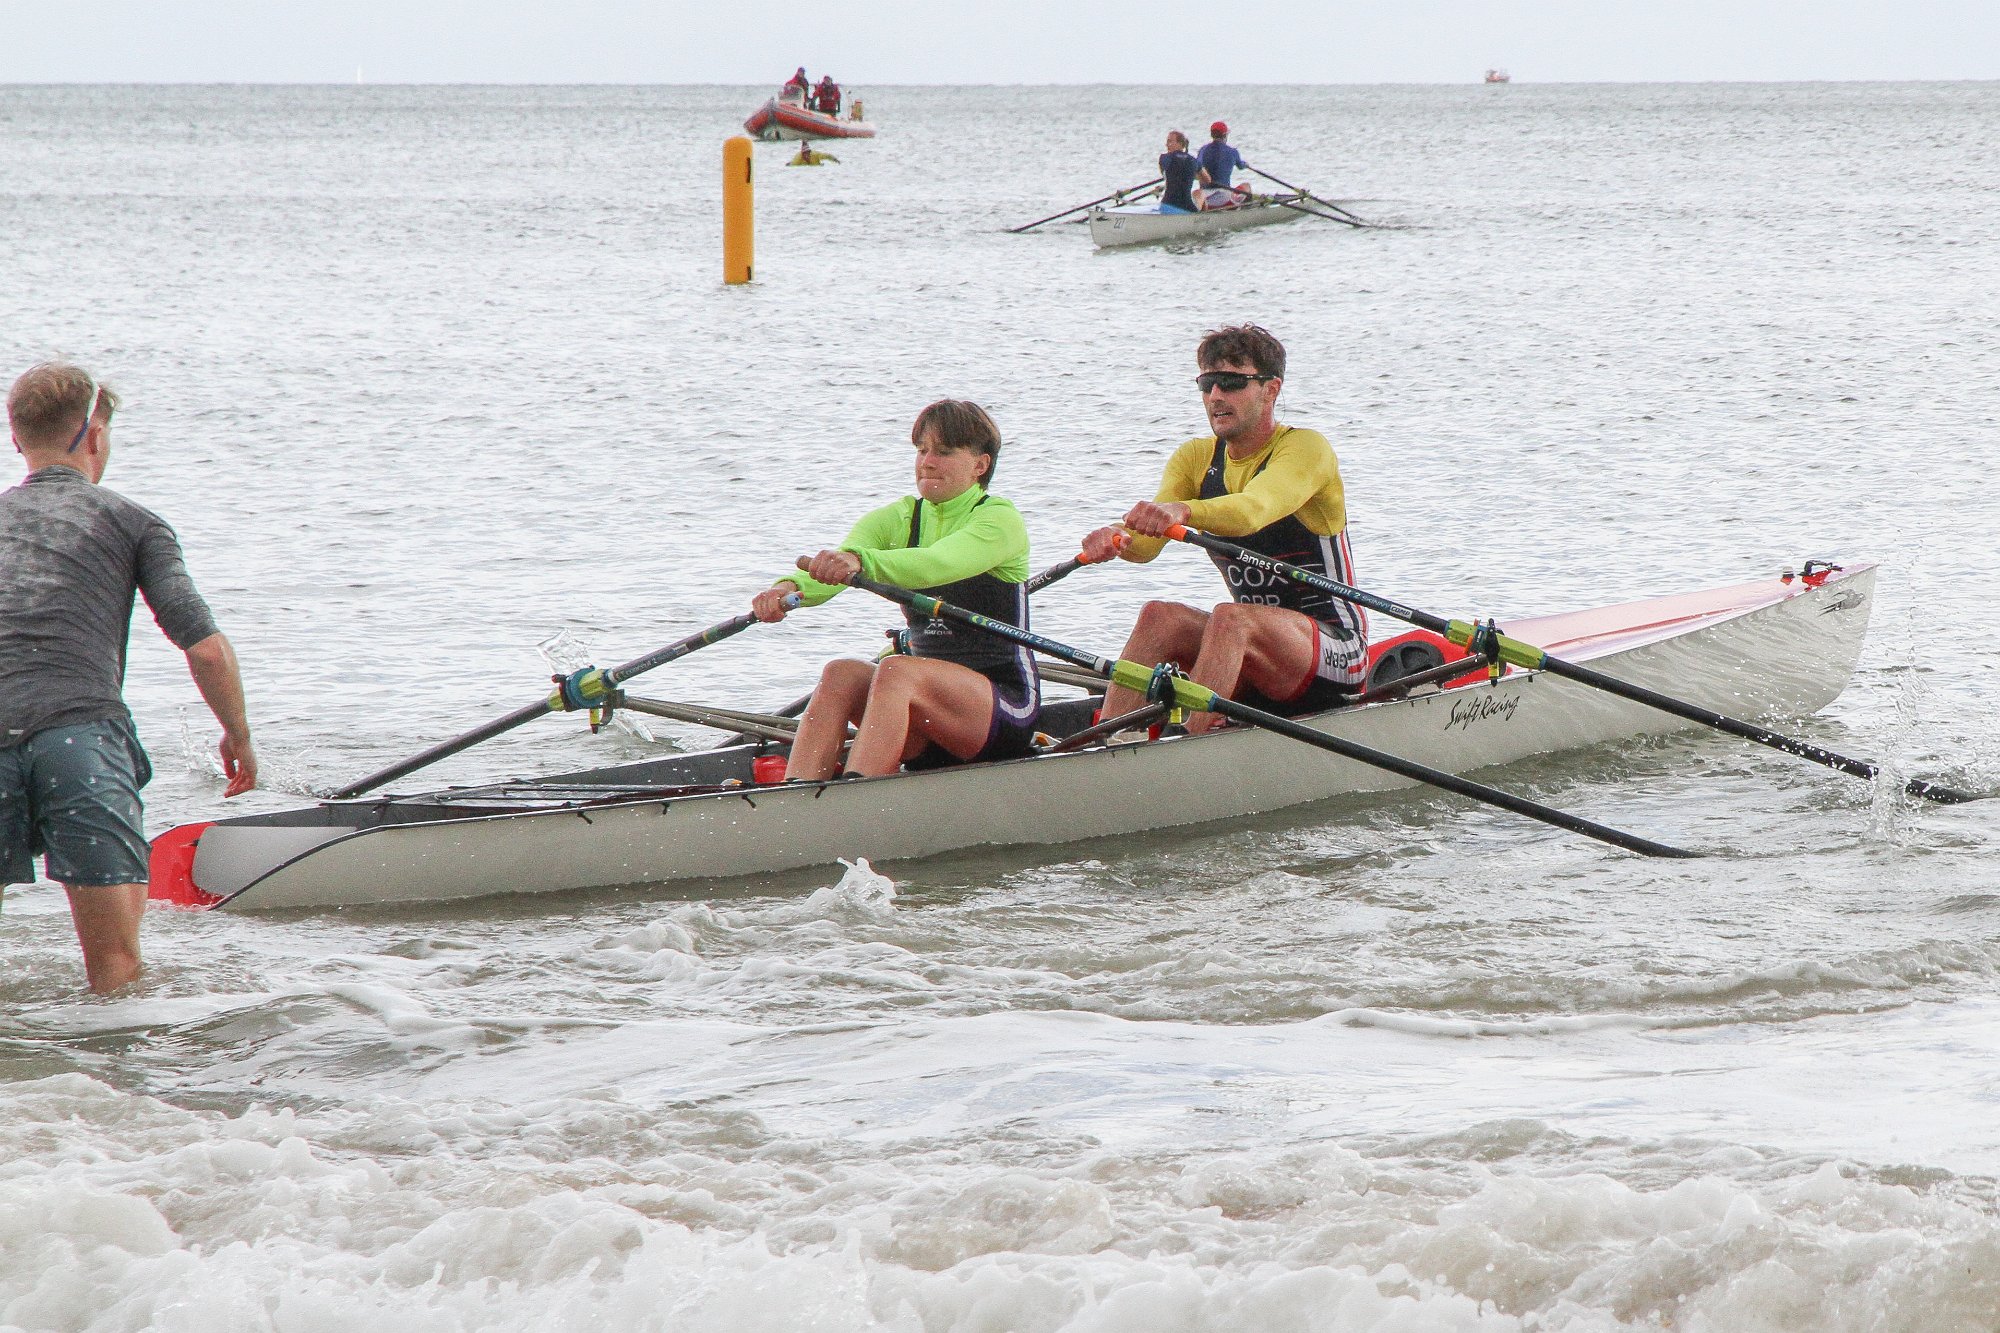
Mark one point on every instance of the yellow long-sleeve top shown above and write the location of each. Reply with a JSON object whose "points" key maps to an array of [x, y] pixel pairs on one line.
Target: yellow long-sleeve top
{"points": [[1295, 473]]}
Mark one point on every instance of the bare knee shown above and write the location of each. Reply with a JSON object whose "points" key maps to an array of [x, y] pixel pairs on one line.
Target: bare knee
{"points": [[1167, 630], [846, 674], [843, 684], [1233, 621], [1158, 616]]}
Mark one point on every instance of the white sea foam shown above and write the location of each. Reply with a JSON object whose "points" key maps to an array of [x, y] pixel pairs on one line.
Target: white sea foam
{"points": [[560, 1215]]}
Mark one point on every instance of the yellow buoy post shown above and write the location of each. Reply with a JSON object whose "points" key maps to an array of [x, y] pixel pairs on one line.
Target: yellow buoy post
{"points": [[739, 212]]}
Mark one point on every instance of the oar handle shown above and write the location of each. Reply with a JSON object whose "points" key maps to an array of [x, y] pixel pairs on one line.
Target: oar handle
{"points": [[1068, 567]]}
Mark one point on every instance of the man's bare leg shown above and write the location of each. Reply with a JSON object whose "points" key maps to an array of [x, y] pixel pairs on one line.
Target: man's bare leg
{"points": [[107, 926], [1165, 632], [1267, 648]]}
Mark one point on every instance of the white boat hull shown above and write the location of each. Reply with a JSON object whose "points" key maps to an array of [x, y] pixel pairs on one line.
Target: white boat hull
{"points": [[1145, 225], [1754, 649]]}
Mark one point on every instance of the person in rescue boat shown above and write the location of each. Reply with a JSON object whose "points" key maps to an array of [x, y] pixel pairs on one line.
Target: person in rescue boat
{"points": [[1218, 159], [1275, 489], [798, 86], [957, 695], [1179, 168], [828, 96]]}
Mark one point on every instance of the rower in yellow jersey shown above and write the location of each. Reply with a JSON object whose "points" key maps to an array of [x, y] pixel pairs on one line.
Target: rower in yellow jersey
{"points": [[1275, 489]]}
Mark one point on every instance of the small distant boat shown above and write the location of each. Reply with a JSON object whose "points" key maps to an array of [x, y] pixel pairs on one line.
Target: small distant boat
{"points": [[789, 118], [1143, 224], [1498, 76]]}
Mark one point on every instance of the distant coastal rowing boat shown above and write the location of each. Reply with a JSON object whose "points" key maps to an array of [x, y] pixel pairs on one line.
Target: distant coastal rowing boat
{"points": [[1144, 224], [1767, 647]]}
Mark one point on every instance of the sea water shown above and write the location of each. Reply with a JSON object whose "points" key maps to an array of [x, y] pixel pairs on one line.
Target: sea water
{"points": [[423, 376]]}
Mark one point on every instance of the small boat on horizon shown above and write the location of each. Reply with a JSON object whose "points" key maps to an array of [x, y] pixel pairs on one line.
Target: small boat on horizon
{"points": [[1498, 76]]}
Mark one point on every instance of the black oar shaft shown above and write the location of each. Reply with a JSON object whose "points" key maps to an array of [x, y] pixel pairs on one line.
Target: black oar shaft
{"points": [[1535, 659], [1115, 194], [1057, 572], [681, 648], [1054, 573], [931, 606], [553, 704], [1328, 203], [1315, 213], [1749, 731], [445, 750], [1450, 782], [1202, 699]]}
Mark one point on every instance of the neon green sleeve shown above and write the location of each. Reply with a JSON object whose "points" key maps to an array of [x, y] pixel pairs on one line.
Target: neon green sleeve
{"points": [[990, 538], [876, 529]]}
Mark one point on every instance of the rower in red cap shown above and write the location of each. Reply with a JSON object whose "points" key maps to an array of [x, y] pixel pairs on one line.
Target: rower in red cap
{"points": [[1218, 159]]}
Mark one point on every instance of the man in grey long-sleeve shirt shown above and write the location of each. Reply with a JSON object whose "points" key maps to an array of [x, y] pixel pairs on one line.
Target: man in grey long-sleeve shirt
{"points": [[72, 553]]}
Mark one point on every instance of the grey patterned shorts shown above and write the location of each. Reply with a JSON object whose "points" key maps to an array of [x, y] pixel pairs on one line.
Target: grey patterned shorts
{"points": [[71, 794]]}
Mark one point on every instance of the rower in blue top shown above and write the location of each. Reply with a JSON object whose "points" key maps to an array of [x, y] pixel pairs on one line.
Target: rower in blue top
{"points": [[1179, 169], [1217, 159]]}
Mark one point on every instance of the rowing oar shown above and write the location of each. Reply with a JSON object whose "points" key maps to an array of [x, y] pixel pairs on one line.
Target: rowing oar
{"points": [[1314, 212], [1484, 641], [1115, 194], [1071, 565], [585, 688], [1162, 686], [1035, 585], [1350, 218]]}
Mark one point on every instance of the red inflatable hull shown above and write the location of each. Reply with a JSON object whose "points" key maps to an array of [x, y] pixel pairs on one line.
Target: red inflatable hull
{"points": [[788, 120]]}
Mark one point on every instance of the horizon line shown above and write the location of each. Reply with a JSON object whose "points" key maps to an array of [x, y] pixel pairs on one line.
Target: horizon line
{"points": [[1514, 82]]}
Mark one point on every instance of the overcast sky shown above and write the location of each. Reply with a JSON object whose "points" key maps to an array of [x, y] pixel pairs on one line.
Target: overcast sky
{"points": [[1027, 41]]}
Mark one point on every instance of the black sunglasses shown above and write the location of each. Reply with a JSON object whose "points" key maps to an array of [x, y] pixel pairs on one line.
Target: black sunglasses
{"points": [[1229, 381]]}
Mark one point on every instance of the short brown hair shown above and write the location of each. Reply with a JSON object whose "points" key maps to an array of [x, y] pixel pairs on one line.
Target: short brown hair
{"points": [[44, 405], [961, 424], [1242, 342]]}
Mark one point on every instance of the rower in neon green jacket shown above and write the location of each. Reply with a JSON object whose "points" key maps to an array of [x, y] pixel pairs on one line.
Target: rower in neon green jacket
{"points": [[956, 695]]}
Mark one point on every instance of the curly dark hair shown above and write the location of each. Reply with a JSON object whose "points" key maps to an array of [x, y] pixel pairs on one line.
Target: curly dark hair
{"points": [[1242, 342]]}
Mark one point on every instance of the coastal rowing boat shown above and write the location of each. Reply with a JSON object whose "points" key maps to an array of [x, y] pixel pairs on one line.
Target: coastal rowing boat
{"points": [[1145, 224], [1767, 647], [780, 118]]}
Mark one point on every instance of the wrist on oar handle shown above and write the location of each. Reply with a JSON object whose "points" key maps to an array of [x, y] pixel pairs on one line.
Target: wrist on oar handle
{"points": [[1118, 544]]}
